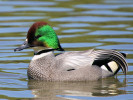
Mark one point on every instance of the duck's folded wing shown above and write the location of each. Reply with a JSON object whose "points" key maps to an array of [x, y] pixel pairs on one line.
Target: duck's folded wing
{"points": [[105, 59], [74, 60], [111, 60]]}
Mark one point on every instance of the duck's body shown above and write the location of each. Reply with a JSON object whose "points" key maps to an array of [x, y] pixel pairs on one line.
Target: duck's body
{"points": [[74, 66], [70, 66]]}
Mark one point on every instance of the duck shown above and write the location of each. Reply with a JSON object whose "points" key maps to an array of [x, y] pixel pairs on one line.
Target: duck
{"points": [[88, 65]]}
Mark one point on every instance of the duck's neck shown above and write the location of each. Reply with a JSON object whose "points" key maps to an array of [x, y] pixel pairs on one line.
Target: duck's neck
{"points": [[43, 51], [40, 50], [42, 65], [43, 54]]}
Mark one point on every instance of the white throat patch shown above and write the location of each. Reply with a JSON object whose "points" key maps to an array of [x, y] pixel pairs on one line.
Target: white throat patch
{"points": [[41, 55]]}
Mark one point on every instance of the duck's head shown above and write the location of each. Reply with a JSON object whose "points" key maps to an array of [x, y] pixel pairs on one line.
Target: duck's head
{"points": [[41, 34]]}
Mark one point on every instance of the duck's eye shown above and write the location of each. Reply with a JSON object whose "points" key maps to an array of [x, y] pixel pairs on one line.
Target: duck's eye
{"points": [[36, 37]]}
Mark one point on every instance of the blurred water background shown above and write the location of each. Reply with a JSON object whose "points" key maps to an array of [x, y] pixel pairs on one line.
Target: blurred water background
{"points": [[80, 25]]}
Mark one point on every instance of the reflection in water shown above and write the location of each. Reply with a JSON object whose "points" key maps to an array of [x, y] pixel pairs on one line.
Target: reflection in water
{"points": [[52, 90]]}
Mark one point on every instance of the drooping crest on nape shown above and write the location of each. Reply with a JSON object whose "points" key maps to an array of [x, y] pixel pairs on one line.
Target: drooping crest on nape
{"points": [[32, 30], [42, 34]]}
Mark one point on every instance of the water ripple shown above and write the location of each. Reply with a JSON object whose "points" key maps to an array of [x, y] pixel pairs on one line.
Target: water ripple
{"points": [[110, 32], [115, 26], [14, 29], [74, 45], [125, 40], [102, 6], [130, 28], [48, 9], [75, 30], [12, 38], [18, 94], [69, 36], [13, 18], [6, 43], [119, 46], [91, 19], [27, 3], [14, 58], [16, 24], [107, 12], [119, 1], [75, 25]]}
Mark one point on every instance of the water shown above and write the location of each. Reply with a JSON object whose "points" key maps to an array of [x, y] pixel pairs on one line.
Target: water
{"points": [[80, 25]]}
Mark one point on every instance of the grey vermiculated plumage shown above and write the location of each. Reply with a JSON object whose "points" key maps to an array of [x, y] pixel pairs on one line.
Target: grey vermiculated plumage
{"points": [[74, 66]]}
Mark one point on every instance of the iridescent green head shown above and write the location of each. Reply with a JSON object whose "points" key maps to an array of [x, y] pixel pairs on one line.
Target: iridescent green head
{"points": [[42, 34]]}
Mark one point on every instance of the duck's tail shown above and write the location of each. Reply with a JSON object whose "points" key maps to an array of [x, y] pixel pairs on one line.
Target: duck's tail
{"points": [[110, 60]]}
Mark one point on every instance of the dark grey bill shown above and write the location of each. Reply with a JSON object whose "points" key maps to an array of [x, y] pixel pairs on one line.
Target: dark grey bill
{"points": [[23, 46]]}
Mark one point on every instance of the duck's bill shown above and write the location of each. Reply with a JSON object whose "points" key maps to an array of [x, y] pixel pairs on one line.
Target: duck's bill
{"points": [[23, 46]]}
